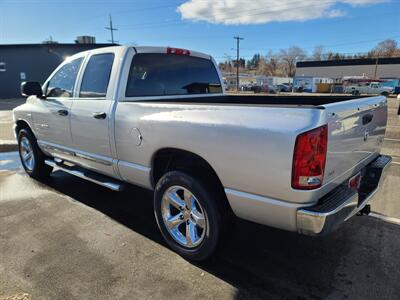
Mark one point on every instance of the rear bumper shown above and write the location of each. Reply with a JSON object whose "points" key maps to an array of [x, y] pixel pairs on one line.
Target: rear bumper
{"points": [[342, 203]]}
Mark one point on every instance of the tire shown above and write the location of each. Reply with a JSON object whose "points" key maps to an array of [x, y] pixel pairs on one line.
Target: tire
{"points": [[204, 203], [385, 94], [34, 167]]}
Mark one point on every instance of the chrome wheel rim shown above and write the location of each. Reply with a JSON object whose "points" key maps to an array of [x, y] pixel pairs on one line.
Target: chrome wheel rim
{"points": [[183, 216], [26, 151]]}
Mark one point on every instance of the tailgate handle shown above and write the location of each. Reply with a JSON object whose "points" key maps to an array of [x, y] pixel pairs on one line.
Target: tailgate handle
{"points": [[367, 118]]}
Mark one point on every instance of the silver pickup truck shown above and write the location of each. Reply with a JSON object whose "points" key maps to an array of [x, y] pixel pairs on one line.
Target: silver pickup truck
{"points": [[159, 118]]}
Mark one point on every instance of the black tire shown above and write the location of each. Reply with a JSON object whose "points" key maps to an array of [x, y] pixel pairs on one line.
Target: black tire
{"points": [[212, 210], [385, 94], [39, 169]]}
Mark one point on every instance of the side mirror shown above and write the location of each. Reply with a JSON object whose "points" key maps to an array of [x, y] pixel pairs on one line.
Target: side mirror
{"points": [[31, 88]]}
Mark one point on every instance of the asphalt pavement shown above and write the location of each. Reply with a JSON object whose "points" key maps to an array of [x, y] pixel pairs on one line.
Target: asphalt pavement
{"points": [[66, 238]]}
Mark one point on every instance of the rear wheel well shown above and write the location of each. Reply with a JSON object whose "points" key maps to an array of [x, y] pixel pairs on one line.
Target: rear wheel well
{"points": [[171, 159]]}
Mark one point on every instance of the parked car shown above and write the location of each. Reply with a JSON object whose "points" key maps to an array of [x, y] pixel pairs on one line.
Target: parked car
{"points": [[159, 118], [283, 88], [264, 88], [246, 87], [372, 88]]}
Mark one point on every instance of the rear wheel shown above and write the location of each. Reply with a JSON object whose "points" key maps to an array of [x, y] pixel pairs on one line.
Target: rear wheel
{"points": [[385, 94], [188, 215], [31, 156]]}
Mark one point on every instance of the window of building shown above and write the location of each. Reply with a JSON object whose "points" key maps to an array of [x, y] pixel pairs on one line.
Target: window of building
{"points": [[63, 82], [2, 67], [96, 76], [156, 74]]}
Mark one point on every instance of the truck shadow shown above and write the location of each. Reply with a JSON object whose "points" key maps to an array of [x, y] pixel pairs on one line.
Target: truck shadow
{"points": [[260, 262]]}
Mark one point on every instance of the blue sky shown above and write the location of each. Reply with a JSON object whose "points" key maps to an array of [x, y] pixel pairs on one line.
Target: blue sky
{"points": [[347, 26]]}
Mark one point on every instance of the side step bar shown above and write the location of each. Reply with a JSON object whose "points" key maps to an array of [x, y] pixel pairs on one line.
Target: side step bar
{"points": [[102, 180]]}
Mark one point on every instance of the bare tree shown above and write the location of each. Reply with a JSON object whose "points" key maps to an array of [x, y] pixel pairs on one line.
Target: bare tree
{"points": [[271, 64], [386, 48], [290, 57], [262, 67], [318, 53]]}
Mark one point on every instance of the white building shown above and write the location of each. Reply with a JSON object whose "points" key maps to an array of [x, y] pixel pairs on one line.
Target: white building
{"points": [[272, 80], [309, 83]]}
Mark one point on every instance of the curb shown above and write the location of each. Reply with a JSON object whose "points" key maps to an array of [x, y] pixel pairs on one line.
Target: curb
{"points": [[8, 146]]}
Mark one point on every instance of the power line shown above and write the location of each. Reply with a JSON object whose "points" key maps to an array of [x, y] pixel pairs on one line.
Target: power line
{"points": [[271, 9], [330, 45], [112, 29]]}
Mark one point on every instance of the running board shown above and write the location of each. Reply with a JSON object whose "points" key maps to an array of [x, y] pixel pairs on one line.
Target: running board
{"points": [[99, 179]]}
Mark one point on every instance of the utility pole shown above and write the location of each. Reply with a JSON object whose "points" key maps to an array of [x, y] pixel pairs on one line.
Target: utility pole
{"points": [[376, 67], [238, 39], [112, 29]]}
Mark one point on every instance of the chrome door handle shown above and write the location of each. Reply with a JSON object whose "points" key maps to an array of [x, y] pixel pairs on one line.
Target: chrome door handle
{"points": [[99, 115], [62, 112]]}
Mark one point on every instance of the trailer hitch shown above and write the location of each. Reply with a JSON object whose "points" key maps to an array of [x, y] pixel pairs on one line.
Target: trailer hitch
{"points": [[365, 211]]}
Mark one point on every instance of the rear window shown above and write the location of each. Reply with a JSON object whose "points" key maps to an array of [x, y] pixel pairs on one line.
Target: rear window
{"points": [[156, 74]]}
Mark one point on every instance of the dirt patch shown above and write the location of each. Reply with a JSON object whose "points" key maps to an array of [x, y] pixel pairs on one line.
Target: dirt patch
{"points": [[20, 296]]}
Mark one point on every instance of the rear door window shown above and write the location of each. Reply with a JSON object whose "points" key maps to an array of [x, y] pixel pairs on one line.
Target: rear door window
{"points": [[157, 74], [97, 76]]}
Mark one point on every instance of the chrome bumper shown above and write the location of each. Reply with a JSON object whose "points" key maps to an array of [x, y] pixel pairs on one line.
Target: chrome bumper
{"points": [[343, 202]]}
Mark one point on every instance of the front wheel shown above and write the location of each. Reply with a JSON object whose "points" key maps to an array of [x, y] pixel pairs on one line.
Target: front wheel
{"points": [[187, 215], [31, 156]]}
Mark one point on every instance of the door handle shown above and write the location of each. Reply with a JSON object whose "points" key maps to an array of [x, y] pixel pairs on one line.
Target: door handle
{"points": [[367, 118], [62, 112], [99, 115]]}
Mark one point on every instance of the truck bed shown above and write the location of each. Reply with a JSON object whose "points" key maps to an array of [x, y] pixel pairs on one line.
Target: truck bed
{"points": [[297, 100]]}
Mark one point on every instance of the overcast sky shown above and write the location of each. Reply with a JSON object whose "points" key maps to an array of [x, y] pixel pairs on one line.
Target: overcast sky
{"points": [[207, 25]]}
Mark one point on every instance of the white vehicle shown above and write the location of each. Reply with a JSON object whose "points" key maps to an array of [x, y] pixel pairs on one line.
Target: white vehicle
{"points": [[371, 88], [159, 118]]}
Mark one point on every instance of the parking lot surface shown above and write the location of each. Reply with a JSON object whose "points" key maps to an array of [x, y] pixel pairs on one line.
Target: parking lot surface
{"points": [[66, 238]]}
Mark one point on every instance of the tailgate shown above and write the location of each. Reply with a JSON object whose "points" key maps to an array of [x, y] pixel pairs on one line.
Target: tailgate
{"points": [[356, 131]]}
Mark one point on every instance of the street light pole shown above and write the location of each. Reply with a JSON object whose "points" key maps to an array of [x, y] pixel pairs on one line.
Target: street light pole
{"points": [[238, 39]]}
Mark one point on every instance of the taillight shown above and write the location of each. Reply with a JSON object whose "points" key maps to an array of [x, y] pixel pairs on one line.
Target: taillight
{"points": [[178, 51], [355, 181], [309, 159]]}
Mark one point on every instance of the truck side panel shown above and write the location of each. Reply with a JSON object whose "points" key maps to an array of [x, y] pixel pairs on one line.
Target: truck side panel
{"points": [[250, 148]]}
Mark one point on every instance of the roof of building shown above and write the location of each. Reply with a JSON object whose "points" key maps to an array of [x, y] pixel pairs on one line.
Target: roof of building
{"points": [[55, 45], [349, 62]]}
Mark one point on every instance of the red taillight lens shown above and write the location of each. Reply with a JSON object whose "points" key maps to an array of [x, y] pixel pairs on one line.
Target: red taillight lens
{"points": [[355, 181], [178, 51], [309, 159]]}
